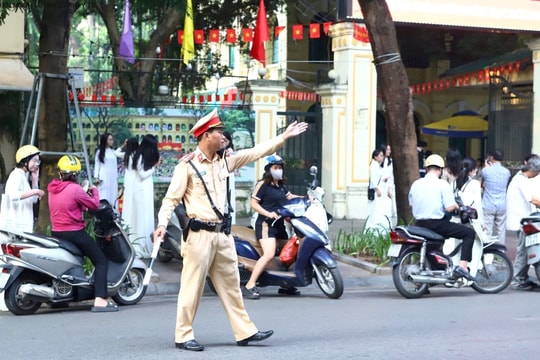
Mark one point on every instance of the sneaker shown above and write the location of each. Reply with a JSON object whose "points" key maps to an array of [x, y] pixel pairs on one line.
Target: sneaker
{"points": [[288, 291], [252, 293], [525, 285]]}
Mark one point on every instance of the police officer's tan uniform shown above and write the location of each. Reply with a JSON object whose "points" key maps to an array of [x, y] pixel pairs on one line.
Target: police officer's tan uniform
{"points": [[207, 251]]}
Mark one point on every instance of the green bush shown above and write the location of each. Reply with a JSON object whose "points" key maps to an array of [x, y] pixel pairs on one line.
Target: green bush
{"points": [[371, 243]]}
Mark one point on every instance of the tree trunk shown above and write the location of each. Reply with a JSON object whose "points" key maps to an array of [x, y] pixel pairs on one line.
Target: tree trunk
{"points": [[394, 88], [53, 114]]}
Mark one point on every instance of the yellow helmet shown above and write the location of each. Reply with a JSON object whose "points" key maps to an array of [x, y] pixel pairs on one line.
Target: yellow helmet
{"points": [[25, 151], [434, 160], [69, 164]]}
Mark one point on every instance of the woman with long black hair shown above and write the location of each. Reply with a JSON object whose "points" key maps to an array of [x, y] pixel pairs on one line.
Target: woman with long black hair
{"points": [[144, 162], [106, 168]]}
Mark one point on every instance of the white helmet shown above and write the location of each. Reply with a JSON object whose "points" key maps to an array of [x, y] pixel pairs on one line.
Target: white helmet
{"points": [[434, 160]]}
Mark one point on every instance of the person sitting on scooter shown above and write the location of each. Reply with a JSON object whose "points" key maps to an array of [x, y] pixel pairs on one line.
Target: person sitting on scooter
{"points": [[67, 201], [268, 195], [430, 197]]}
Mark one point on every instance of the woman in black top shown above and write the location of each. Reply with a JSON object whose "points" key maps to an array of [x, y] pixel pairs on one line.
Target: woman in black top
{"points": [[269, 194]]}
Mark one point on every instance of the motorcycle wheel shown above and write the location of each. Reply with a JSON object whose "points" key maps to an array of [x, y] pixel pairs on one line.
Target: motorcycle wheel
{"points": [[331, 283], [14, 300], [408, 263], [163, 257], [496, 275], [132, 290]]}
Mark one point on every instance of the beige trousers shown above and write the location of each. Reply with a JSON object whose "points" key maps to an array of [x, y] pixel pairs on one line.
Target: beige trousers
{"points": [[214, 254]]}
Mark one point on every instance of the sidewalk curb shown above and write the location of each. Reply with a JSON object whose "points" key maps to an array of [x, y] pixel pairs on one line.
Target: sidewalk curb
{"points": [[157, 287], [365, 265]]}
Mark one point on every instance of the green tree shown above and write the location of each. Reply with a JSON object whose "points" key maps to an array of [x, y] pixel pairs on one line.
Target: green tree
{"points": [[54, 18]]}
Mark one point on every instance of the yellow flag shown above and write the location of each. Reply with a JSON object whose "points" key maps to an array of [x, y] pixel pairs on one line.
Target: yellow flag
{"points": [[188, 44]]}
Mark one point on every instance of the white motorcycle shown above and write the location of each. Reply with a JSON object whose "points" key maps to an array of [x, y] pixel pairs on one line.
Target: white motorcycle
{"points": [[530, 226], [36, 269], [419, 261]]}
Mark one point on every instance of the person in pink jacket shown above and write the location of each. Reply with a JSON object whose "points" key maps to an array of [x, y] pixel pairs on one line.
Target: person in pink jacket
{"points": [[67, 201]]}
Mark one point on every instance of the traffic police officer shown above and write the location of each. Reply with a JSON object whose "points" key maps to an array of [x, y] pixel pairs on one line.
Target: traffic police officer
{"points": [[207, 249]]}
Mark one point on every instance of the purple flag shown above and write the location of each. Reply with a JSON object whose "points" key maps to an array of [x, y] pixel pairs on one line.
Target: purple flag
{"points": [[125, 50]]}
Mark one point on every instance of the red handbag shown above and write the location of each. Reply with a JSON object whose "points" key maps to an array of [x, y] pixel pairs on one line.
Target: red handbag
{"points": [[289, 251]]}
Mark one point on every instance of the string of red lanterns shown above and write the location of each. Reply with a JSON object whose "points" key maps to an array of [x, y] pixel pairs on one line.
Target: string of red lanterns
{"points": [[476, 77]]}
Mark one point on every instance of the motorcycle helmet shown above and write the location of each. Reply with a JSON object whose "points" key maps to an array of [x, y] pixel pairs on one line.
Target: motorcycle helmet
{"points": [[434, 160], [273, 160], [69, 167], [25, 152]]}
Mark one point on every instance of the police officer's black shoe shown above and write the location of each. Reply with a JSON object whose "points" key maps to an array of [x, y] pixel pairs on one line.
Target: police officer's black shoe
{"points": [[191, 345], [259, 336]]}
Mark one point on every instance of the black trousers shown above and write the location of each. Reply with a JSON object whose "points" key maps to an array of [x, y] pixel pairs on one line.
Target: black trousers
{"points": [[91, 249], [450, 229]]}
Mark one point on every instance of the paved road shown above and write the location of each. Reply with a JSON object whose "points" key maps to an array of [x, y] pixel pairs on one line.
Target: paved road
{"points": [[368, 322]]}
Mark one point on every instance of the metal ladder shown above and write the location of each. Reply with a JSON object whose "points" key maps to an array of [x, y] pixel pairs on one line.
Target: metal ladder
{"points": [[34, 104]]}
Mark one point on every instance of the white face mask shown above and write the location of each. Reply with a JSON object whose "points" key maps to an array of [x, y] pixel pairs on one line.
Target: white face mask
{"points": [[277, 174]]}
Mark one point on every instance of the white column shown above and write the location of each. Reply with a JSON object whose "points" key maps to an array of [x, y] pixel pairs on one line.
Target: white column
{"points": [[349, 117], [333, 169], [534, 45]]}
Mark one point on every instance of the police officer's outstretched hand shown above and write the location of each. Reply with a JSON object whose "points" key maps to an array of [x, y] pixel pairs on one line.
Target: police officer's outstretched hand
{"points": [[295, 129]]}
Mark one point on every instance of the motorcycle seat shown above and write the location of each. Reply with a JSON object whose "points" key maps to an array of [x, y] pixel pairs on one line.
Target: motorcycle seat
{"points": [[247, 234], [72, 248], [422, 232], [533, 217]]}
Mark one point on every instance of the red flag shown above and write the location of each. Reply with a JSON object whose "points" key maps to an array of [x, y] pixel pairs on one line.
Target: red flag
{"points": [[231, 36], [278, 30], [261, 35], [214, 36], [360, 33], [199, 36], [247, 35], [298, 32], [314, 31], [326, 27], [180, 37]]}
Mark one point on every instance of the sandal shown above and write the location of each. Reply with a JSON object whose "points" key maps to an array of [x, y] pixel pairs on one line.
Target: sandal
{"points": [[252, 293], [107, 308]]}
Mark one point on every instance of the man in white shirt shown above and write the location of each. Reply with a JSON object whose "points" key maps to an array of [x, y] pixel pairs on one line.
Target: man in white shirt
{"points": [[430, 197], [521, 197]]}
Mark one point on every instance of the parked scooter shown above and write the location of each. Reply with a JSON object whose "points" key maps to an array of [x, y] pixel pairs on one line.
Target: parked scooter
{"points": [[170, 247], [530, 226], [40, 269], [313, 260], [419, 261]]}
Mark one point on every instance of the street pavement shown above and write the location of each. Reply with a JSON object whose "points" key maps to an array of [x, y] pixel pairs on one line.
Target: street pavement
{"points": [[355, 272]]}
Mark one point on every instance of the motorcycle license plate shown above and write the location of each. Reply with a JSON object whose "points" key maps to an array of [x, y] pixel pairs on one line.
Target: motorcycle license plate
{"points": [[394, 249]]}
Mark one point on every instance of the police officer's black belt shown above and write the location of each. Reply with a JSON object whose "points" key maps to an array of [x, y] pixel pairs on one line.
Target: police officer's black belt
{"points": [[196, 225]]}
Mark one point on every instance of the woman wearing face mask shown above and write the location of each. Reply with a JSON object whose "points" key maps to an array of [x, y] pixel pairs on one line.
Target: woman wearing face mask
{"points": [[268, 195]]}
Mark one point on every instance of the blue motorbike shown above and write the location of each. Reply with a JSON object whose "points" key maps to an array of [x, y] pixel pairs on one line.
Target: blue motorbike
{"points": [[313, 260]]}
